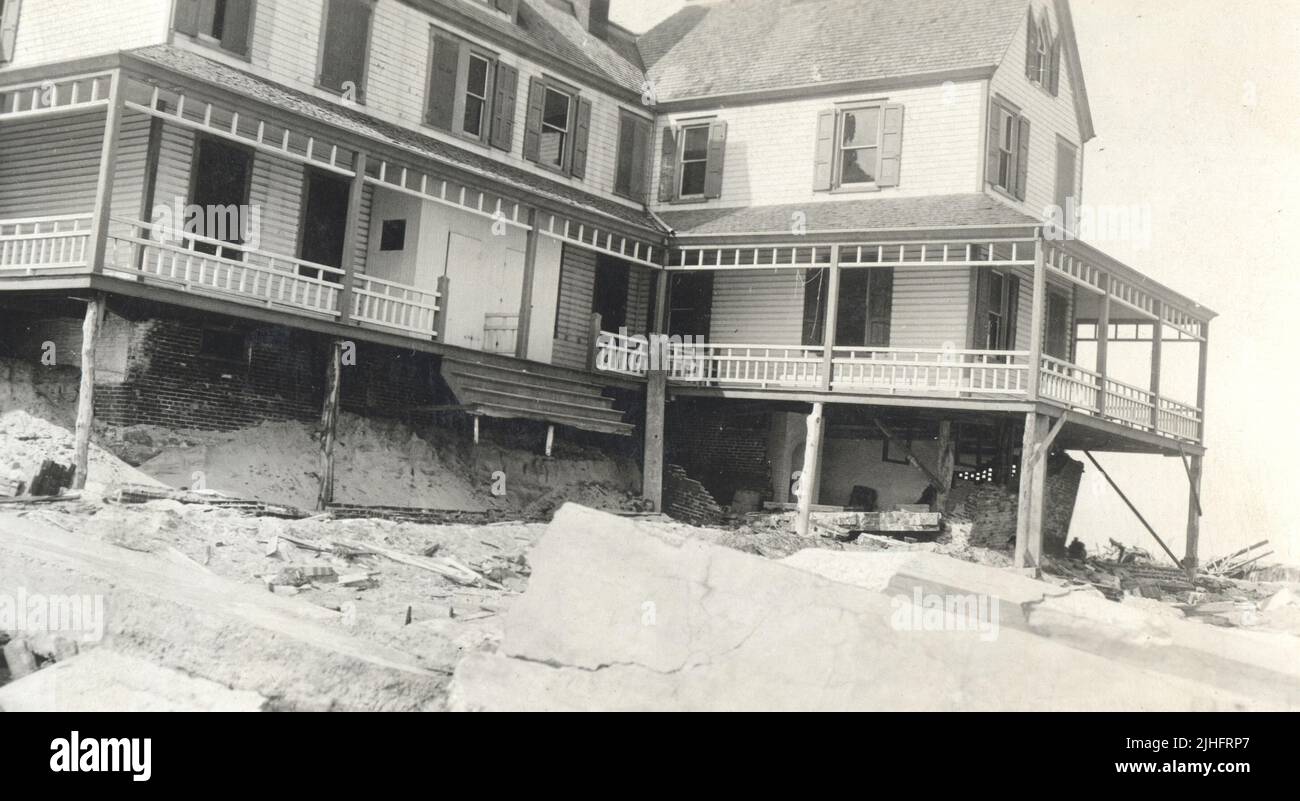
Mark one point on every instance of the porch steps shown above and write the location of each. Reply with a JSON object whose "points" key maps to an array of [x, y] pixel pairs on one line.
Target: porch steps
{"points": [[495, 390]]}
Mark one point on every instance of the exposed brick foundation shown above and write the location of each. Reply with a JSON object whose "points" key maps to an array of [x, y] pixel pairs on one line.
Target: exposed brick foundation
{"points": [[725, 450], [687, 500], [992, 509]]}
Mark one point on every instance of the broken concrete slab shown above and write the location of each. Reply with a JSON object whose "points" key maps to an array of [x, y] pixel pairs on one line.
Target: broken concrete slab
{"points": [[102, 680], [620, 616]]}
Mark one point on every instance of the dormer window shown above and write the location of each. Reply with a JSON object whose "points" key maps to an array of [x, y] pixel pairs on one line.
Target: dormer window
{"points": [[1043, 54]]}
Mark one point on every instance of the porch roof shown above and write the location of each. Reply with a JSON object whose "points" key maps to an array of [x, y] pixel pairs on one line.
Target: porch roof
{"points": [[355, 121], [975, 210]]}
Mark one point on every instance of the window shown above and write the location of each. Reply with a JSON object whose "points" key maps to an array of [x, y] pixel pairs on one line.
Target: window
{"points": [[344, 47], [1043, 53], [8, 28], [693, 160], [219, 189], [859, 142], [609, 294], [630, 173], [859, 147], [1067, 168], [221, 23], [470, 93], [1057, 343], [1008, 149], [556, 108], [393, 235], [997, 302]]}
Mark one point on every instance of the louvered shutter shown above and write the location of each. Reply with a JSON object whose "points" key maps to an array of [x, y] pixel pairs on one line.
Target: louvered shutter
{"points": [[442, 81], [533, 121], [9, 30], [581, 135], [1056, 67], [1031, 48], [1022, 160], [993, 147], [668, 166], [642, 134], [503, 107], [238, 26], [716, 158], [891, 145], [823, 164], [187, 17]]}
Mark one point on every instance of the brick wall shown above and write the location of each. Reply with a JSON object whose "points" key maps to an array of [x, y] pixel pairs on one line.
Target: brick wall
{"points": [[992, 509], [687, 500], [725, 450]]}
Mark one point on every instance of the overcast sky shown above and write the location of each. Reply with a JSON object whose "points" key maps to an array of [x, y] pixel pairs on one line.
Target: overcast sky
{"points": [[1197, 112]]}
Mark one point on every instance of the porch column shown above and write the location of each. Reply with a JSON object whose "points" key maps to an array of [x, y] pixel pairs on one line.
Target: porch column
{"points": [[526, 295], [95, 308], [947, 460], [1036, 319], [662, 299], [1202, 367], [350, 236], [1029, 517], [811, 475], [832, 317], [1157, 343], [98, 244], [1103, 343], [1191, 559], [652, 473]]}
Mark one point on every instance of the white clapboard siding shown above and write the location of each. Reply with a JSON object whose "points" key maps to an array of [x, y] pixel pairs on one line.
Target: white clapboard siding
{"points": [[50, 167], [573, 312], [61, 30], [758, 307], [931, 307]]}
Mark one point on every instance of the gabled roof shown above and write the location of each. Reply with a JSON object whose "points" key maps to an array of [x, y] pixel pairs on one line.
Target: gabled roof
{"points": [[192, 65], [740, 46], [975, 210]]}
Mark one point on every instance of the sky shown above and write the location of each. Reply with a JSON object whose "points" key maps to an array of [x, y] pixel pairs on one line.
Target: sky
{"points": [[1197, 110]]}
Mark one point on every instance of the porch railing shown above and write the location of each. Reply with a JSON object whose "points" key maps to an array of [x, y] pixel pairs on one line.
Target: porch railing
{"points": [[1129, 404], [199, 264], [1070, 384], [1180, 420], [35, 244], [1087, 391], [392, 305], [930, 370]]}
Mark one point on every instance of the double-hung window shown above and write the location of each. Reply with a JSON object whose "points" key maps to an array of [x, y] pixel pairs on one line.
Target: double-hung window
{"points": [[471, 94], [477, 74], [557, 120], [858, 162], [859, 147], [694, 161], [1008, 150]]}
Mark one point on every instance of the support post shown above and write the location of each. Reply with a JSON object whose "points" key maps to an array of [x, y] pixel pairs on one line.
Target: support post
{"points": [[440, 316], [1191, 559], [832, 320], [329, 425], [86, 395], [1103, 345], [947, 459], [593, 341], [810, 478], [1201, 369], [1157, 350], [1025, 532], [476, 433], [1036, 318], [98, 246], [351, 233], [652, 473], [526, 295], [550, 440], [662, 300]]}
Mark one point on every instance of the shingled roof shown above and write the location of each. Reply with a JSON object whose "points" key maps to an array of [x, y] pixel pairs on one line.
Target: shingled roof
{"points": [[974, 210], [737, 46]]}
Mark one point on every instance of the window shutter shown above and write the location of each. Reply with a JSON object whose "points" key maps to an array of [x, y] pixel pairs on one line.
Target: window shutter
{"points": [[1031, 48], [238, 27], [533, 120], [1022, 160], [993, 147], [1056, 67], [642, 135], [717, 156], [187, 17], [581, 134], [503, 107], [507, 6], [9, 30], [822, 166], [442, 81], [668, 166], [891, 145]]}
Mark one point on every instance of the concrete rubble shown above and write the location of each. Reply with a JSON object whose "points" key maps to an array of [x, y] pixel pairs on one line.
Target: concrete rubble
{"points": [[619, 615]]}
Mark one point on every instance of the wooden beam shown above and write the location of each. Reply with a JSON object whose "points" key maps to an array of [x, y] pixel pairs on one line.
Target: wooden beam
{"points": [[98, 244], [440, 316], [351, 233], [1131, 507], [526, 295], [1191, 556], [90, 326], [1038, 495], [935, 480], [810, 478], [1036, 317], [832, 317], [652, 473], [662, 300], [329, 424], [947, 459], [1044, 447], [550, 440], [1025, 503], [1193, 480]]}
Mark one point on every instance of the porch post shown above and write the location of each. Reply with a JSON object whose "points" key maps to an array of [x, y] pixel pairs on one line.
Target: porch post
{"points": [[662, 299], [98, 245], [1191, 559], [832, 317], [526, 295], [350, 236], [652, 473], [810, 477], [329, 424], [1103, 343], [1157, 343], [95, 307], [1036, 319], [1201, 370], [1029, 530], [947, 459]]}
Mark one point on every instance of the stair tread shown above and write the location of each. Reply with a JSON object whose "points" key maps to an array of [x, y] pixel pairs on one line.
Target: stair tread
{"points": [[474, 381], [591, 422], [599, 410], [475, 368]]}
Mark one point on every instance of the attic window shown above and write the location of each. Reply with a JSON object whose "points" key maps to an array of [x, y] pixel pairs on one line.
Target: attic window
{"points": [[1043, 53]]}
